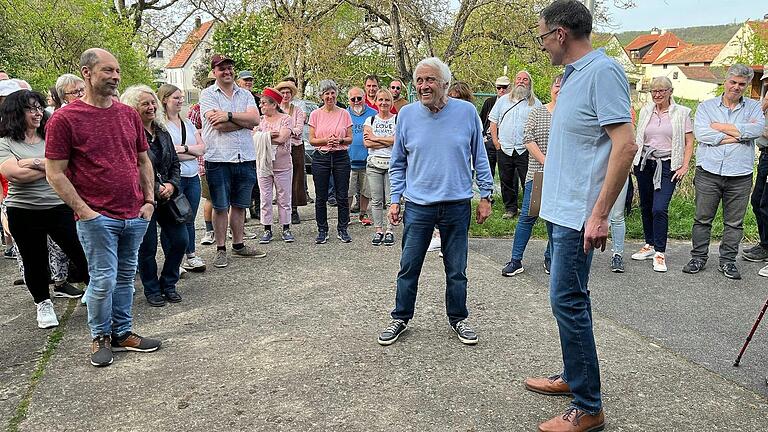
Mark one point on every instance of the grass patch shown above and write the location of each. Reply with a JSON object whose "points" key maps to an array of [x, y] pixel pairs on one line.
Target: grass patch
{"points": [[50, 347]]}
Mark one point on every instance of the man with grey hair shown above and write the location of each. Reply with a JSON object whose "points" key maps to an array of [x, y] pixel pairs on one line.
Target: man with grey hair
{"points": [[430, 168], [507, 121], [726, 128]]}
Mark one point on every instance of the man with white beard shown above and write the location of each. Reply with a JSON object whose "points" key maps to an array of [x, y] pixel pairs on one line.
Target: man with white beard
{"points": [[507, 120]]}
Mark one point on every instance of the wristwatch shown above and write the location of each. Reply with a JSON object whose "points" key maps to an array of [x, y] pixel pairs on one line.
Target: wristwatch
{"points": [[37, 162], [186, 148], [229, 115], [487, 198]]}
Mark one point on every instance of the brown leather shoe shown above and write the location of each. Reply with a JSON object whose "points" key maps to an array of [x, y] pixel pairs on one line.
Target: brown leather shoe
{"points": [[552, 386], [574, 420]]}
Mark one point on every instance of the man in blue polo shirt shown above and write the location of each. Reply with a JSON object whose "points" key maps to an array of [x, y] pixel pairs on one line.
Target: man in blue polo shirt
{"points": [[590, 152]]}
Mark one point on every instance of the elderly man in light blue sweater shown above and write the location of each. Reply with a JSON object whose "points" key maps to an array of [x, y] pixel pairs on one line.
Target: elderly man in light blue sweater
{"points": [[437, 143]]}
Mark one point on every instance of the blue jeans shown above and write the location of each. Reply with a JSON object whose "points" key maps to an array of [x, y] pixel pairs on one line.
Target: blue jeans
{"points": [[173, 237], [332, 165], [654, 204], [190, 186], [419, 221], [525, 227], [112, 248], [618, 226], [572, 307]]}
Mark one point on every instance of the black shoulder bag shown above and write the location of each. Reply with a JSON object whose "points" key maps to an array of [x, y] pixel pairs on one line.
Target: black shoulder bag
{"points": [[179, 206]]}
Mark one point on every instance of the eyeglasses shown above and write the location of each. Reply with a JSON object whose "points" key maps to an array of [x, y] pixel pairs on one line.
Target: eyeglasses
{"points": [[356, 99], [540, 38], [78, 92], [502, 87], [394, 87], [34, 109], [660, 91]]}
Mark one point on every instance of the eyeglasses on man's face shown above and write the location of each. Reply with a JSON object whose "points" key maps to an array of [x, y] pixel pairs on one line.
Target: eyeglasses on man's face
{"points": [[540, 38], [502, 87], [356, 99], [394, 87]]}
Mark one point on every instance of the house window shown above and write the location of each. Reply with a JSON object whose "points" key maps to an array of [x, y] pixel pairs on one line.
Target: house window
{"points": [[207, 51], [687, 64], [674, 75], [156, 54], [665, 66]]}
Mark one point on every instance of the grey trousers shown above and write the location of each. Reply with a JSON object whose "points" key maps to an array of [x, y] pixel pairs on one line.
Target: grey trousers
{"points": [[378, 182], [710, 190]]}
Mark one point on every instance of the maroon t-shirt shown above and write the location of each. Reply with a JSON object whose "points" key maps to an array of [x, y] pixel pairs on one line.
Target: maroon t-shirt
{"points": [[102, 146]]}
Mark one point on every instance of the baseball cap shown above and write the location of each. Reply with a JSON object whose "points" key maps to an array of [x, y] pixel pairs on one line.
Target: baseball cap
{"points": [[218, 59], [503, 81], [246, 74], [9, 86]]}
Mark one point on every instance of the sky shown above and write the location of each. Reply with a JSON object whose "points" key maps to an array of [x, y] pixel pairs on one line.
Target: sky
{"points": [[666, 14]]}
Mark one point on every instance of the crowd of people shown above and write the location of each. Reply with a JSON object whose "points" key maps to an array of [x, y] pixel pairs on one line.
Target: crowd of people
{"points": [[95, 180]]}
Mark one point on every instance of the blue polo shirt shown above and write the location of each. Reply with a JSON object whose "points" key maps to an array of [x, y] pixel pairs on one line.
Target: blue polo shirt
{"points": [[594, 93], [358, 153]]}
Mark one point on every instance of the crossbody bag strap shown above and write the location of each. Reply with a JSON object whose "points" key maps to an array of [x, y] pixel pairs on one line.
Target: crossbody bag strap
{"points": [[505, 112], [183, 133]]}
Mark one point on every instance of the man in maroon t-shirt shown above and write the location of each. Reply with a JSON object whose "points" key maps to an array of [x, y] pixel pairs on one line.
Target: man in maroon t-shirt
{"points": [[96, 160]]}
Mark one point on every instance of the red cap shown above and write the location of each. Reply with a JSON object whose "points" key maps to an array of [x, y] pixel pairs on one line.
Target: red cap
{"points": [[218, 59], [273, 94]]}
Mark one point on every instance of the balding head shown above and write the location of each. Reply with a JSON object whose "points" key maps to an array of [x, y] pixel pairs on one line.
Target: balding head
{"points": [[93, 56], [101, 73]]}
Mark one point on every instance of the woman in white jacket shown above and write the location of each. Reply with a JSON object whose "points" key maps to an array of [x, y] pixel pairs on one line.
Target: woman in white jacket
{"points": [[665, 145]]}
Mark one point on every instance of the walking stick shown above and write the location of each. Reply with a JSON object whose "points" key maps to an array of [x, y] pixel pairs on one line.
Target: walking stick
{"points": [[752, 332]]}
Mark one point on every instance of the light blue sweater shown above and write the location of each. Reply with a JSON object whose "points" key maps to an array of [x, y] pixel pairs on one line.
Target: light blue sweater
{"points": [[434, 153]]}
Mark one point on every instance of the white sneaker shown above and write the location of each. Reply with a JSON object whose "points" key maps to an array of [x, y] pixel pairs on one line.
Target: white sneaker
{"points": [[659, 262], [208, 239], [644, 253], [246, 235], [194, 264], [434, 244], [182, 272], [46, 316], [763, 271]]}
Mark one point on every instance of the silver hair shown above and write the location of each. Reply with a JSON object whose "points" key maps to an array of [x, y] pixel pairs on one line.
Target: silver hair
{"points": [[131, 96], [327, 85], [740, 70], [438, 65], [662, 81], [531, 98], [65, 81]]}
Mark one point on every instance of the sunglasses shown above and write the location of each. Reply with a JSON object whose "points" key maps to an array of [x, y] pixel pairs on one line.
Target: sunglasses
{"points": [[502, 87], [356, 99], [394, 87]]}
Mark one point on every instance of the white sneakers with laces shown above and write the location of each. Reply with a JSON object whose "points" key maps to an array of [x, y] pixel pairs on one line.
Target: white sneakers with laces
{"points": [[46, 316], [646, 252], [659, 262]]}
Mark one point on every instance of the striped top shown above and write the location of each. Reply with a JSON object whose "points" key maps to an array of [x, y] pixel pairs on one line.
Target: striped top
{"points": [[537, 130]]}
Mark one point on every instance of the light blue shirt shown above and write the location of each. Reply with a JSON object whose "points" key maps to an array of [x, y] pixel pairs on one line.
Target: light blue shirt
{"points": [[434, 153], [594, 93], [727, 160], [235, 146], [510, 131]]}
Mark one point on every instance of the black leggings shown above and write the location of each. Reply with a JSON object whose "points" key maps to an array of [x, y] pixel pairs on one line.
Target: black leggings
{"points": [[30, 228]]}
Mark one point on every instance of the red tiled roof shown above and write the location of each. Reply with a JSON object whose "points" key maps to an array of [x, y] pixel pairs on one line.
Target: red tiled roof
{"points": [[188, 47], [667, 40], [642, 41], [759, 27], [714, 75], [691, 54]]}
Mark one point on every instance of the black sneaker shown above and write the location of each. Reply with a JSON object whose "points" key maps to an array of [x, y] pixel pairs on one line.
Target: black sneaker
{"points": [[389, 239], [133, 342], [322, 237], [377, 239], [9, 254], [694, 266], [343, 235], [156, 300], [393, 331], [66, 290], [617, 264], [756, 254], [729, 270], [547, 265], [101, 351], [295, 219], [172, 296], [512, 268], [466, 335]]}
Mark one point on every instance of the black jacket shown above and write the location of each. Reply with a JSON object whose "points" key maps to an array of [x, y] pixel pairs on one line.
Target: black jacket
{"points": [[162, 153]]}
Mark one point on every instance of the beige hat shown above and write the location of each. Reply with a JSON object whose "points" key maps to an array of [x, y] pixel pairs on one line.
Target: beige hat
{"points": [[503, 81], [289, 85]]}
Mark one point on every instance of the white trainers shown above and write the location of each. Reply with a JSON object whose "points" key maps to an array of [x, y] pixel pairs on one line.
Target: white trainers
{"points": [[659, 262], [194, 264], [246, 235], [208, 239], [434, 244], [763, 271], [646, 252], [46, 316]]}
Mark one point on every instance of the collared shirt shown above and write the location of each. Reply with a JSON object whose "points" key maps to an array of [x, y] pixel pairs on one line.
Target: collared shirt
{"points": [[510, 117], [235, 146], [594, 93], [434, 153], [727, 160]]}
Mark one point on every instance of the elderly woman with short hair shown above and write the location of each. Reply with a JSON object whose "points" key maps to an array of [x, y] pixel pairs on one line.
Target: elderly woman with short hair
{"points": [[330, 132], [665, 141], [69, 87], [173, 235]]}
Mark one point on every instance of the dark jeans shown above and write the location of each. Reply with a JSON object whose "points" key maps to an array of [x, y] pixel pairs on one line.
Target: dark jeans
{"points": [[760, 198], [173, 238], [572, 307], [490, 149], [419, 221], [30, 230], [512, 171], [190, 186], [334, 165], [710, 190], [654, 204]]}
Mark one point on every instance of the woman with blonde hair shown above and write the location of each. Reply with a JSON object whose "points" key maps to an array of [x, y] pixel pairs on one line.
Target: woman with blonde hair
{"points": [[173, 235], [379, 137]]}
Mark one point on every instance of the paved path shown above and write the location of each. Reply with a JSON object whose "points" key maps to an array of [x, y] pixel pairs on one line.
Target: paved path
{"points": [[287, 343]]}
